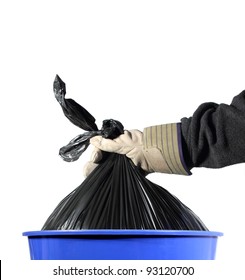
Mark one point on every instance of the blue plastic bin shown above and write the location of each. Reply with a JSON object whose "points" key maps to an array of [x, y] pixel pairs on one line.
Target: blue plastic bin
{"points": [[122, 244]]}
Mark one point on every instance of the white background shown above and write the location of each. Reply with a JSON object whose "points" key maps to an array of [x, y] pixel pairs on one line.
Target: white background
{"points": [[141, 62]]}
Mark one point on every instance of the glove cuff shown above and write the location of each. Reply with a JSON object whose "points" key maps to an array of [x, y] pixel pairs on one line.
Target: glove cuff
{"points": [[167, 138]]}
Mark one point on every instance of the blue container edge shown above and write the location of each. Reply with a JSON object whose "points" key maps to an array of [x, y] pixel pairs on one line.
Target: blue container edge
{"points": [[123, 232]]}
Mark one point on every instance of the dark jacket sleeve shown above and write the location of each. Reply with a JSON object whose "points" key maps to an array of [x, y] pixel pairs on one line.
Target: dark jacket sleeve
{"points": [[214, 136]]}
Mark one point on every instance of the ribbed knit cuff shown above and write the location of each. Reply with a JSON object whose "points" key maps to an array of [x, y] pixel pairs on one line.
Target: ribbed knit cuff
{"points": [[167, 138]]}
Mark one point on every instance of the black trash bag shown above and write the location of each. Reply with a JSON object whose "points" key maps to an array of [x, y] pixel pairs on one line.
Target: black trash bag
{"points": [[73, 150], [116, 195], [78, 115]]}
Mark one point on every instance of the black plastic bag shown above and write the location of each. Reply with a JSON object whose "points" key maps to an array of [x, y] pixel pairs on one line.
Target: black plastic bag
{"points": [[116, 195]]}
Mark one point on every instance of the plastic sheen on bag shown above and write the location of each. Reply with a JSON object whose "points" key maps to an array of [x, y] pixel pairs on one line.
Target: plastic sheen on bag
{"points": [[116, 195]]}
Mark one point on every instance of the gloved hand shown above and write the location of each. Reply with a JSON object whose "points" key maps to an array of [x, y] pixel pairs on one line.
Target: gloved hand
{"points": [[130, 144]]}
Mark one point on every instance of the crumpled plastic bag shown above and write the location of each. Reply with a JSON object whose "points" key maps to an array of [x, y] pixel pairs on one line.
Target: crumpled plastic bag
{"points": [[116, 195]]}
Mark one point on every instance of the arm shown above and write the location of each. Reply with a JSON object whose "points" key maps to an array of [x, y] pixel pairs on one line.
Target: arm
{"points": [[214, 136]]}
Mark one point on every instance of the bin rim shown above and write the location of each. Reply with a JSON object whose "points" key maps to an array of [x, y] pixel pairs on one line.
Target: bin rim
{"points": [[118, 232]]}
